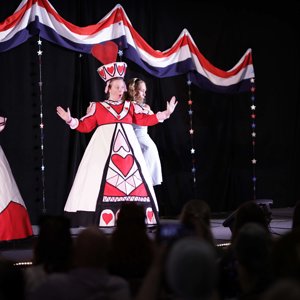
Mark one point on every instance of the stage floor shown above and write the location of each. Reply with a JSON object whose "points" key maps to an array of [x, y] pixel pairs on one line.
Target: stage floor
{"points": [[21, 250]]}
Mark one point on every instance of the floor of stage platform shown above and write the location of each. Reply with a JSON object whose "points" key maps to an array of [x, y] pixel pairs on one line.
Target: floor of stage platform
{"points": [[21, 250]]}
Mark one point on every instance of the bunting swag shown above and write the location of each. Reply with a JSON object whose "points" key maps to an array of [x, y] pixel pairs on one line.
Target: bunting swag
{"points": [[39, 16]]}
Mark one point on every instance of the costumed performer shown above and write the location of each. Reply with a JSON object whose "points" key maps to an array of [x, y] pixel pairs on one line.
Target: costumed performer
{"points": [[136, 90], [113, 169], [14, 219]]}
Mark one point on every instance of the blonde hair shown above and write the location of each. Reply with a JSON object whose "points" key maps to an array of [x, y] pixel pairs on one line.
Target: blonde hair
{"points": [[132, 89]]}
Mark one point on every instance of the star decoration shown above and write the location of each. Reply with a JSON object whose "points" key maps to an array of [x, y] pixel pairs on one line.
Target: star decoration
{"points": [[191, 131], [192, 150], [253, 134], [40, 52], [189, 82], [39, 42], [120, 52], [253, 161], [190, 112], [41, 125], [252, 80], [190, 102], [253, 107], [253, 116]]}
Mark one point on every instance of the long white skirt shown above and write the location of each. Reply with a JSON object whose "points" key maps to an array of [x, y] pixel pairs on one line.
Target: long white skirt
{"points": [[112, 171]]}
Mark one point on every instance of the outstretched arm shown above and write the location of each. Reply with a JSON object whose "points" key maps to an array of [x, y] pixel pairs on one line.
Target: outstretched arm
{"points": [[171, 105]]}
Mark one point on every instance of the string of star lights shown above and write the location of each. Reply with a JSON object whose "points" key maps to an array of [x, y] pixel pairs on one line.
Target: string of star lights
{"points": [[191, 130], [253, 135], [40, 84]]}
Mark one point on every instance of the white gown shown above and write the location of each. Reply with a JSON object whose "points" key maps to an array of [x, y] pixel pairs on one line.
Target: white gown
{"points": [[113, 169], [150, 153]]}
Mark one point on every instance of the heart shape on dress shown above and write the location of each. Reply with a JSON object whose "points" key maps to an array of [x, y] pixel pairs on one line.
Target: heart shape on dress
{"points": [[124, 164], [107, 217]]}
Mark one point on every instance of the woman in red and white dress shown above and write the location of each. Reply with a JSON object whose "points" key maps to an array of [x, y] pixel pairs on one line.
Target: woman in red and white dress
{"points": [[14, 218], [113, 169]]}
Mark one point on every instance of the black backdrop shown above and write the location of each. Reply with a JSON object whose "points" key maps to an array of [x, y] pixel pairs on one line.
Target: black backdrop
{"points": [[222, 123]]}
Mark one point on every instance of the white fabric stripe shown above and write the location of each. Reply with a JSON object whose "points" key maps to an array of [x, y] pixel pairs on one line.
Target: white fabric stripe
{"points": [[9, 33]]}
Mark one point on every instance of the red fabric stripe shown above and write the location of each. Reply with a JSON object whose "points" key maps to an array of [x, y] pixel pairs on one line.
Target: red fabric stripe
{"points": [[87, 30], [216, 71], [15, 18], [14, 222]]}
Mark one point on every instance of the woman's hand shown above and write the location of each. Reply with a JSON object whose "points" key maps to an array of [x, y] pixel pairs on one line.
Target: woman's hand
{"points": [[171, 105], [64, 114]]}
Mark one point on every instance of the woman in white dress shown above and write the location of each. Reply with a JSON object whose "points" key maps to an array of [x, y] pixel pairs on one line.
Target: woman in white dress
{"points": [[14, 218], [137, 93]]}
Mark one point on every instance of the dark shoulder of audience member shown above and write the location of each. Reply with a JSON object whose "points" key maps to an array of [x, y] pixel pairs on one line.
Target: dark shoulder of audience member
{"points": [[131, 248], [53, 247], [247, 212]]}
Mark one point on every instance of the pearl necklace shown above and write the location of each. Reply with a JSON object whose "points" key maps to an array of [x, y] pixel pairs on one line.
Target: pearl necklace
{"points": [[114, 102]]}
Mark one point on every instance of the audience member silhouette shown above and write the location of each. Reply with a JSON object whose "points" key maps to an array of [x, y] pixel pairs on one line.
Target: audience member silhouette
{"points": [[286, 256], [195, 216], [252, 248], [247, 212], [89, 279], [191, 269], [185, 269], [52, 250], [132, 248], [287, 289]]}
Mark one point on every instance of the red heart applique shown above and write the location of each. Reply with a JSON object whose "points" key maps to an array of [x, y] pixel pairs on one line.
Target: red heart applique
{"points": [[150, 215], [121, 69], [106, 52], [111, 70], [102, 73], [107, 217], [124, 164]]}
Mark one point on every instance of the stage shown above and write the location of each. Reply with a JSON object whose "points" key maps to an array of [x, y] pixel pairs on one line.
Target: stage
{"points": [[20, 251]]}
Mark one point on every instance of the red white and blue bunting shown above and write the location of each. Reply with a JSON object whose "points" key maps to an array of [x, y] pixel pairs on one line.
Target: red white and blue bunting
{"points": [[39, 16]]}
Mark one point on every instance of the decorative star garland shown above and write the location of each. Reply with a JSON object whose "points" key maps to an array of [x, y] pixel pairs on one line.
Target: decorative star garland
{"points": [[191, 131], [40, 84], [253, 135]]}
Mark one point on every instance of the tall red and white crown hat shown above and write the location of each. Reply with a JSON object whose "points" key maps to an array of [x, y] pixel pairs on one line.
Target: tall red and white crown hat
{"points": [[107, 53]]}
